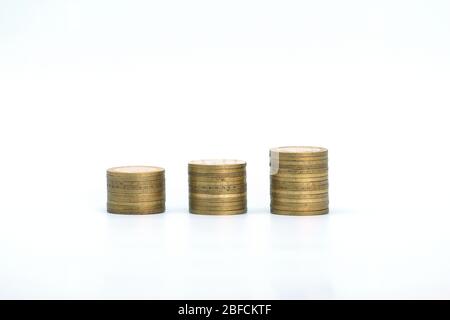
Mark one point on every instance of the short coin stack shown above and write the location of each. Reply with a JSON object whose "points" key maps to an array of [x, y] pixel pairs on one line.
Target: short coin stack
{"points": [[299, 180], [136, 190], [217, 187]]}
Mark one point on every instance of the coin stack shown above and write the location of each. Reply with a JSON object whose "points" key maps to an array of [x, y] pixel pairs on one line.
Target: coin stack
{"points": [[299, 180], [217, 187], [136, 190]]}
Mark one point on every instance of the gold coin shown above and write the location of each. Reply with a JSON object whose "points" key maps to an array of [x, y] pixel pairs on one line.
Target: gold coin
{"points": [[217, 179], [295, 201], [298, 206], [303, 196], [297, 193], [136, 189], [299, 213], [217, 189], [116, 183], [297, 182], [220, 175], [136, 207], [216, 170], [218, 212], [300, 167], [282, 183], [291, 187], [217, 202], [148, 203], [135, 210], [217, 164], [293, 152], [283, 175], [135, 173], [300, 172], [235, 206], [212, 198], [276, 158], [136, 198], [218, 196], [194, 183], [297, 179], [282, 162]]}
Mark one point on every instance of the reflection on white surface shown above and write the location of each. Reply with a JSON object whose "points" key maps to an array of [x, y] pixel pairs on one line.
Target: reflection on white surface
{"points": [[257, 255]]}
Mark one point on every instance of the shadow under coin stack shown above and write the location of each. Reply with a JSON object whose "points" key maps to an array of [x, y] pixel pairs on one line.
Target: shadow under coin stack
{"points": [[136, 190], [217, 187], [299, 180]]}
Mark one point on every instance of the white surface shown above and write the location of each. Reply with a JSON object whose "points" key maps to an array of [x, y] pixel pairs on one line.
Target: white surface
{"points": [[88, 85]]}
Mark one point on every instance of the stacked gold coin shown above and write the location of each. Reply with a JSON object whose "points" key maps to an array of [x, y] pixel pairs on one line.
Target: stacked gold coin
{"points": [[136, 190], [299, 180], [217, 187]]}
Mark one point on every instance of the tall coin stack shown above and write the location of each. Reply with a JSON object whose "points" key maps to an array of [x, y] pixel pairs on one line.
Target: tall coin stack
{"points": [[299, 180], [136, 190], [217, 187]]}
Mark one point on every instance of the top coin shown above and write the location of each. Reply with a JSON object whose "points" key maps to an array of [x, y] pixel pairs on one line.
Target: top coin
{"points": [[217, 162], [135, 170], [298, 152], [216, 165]]}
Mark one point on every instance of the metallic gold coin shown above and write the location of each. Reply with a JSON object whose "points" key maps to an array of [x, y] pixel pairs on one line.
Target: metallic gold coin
{"points": [[140, 207], [276, 158], [117, 183], [313, 184], [299, 213], [283, 175], [136, 173], [217, 179], [293, 152], [297, 179], [136, 189], [287, 171], [302, 201], [215, 189], [234, 197], [218, 212], [305, 183], [300, 167], [218, 196], [282, 162], [297, 193], [221, 175], [135, 176], [144, 170], [134, 210], [292, 187], [219, 201], [217, 164], [303, 196], [135, 198], [298, 206], [194, 183], [218, 171], [211, 199], [148, 203], [209, 206]]}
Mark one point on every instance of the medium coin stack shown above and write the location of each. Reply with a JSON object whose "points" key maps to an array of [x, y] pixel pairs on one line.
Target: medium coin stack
{"points": [[217, 187], [299, 180], [136, 190]]}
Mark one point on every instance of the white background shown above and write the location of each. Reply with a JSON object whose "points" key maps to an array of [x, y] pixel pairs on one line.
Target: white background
{"points": [[87, 85]]}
